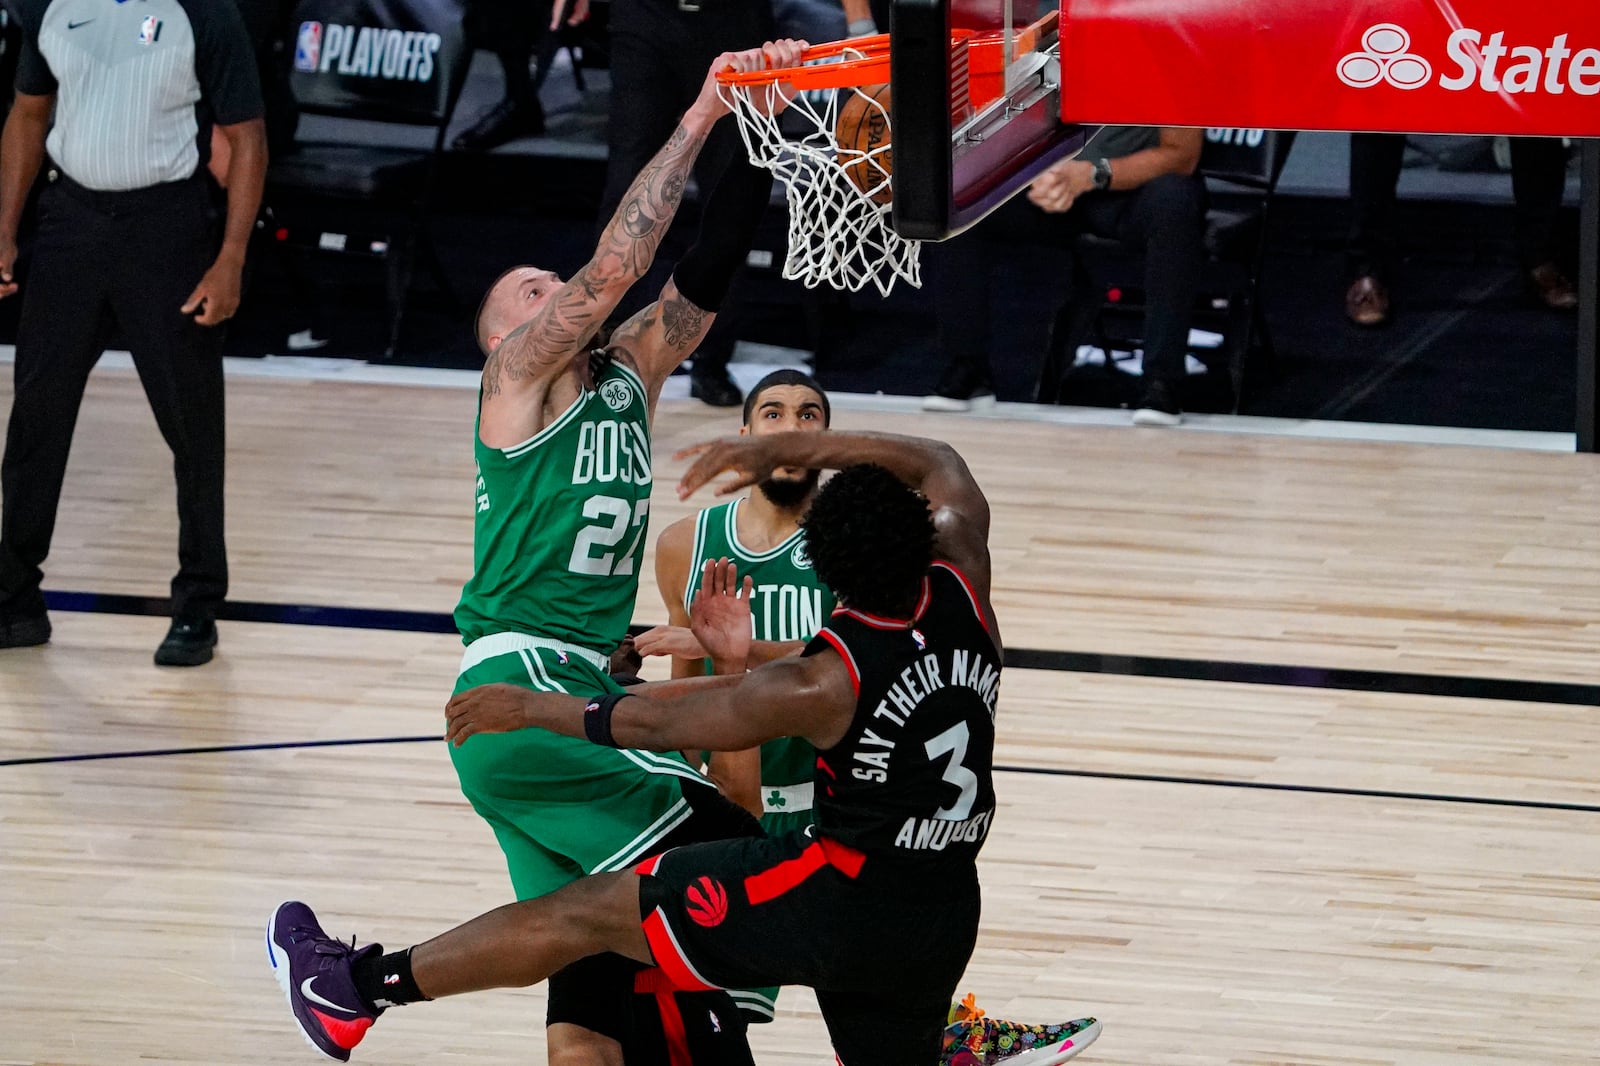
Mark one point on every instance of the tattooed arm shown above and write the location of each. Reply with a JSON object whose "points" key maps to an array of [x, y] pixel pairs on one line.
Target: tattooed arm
{"points": [[654, 341], [534, 354], [543, 347], [661, 336]]}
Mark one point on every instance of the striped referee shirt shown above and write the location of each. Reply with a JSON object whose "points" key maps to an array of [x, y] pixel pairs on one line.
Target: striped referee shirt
{"points": [[138, 84]]}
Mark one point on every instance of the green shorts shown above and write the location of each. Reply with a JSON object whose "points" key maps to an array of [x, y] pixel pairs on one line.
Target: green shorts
{"points": [[562, 807]]}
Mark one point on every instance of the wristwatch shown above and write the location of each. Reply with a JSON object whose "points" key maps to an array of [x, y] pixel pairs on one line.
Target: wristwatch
{"points": [[1102, 173]]}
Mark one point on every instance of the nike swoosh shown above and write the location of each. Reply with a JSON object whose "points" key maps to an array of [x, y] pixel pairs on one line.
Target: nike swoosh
{"points": [[75, 25], [305, 990]]}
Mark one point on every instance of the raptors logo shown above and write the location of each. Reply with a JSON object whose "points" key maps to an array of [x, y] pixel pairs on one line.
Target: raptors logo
{"points": [[707, 902]]}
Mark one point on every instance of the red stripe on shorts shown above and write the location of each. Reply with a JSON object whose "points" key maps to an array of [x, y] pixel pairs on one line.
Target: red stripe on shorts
{"points": [[667, 955], [655, 982], [770, 884]]}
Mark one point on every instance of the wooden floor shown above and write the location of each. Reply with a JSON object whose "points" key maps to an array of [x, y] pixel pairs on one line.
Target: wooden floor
{"points": [[1207, 921]]}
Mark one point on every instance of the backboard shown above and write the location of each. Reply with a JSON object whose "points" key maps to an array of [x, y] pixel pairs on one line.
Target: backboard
{"points": [[976, 108]]}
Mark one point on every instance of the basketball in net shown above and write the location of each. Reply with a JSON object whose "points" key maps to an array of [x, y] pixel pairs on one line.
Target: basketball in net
{"points": [[862, 131], [830, 149]]}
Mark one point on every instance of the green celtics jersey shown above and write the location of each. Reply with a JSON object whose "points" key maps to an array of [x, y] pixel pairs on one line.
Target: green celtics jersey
{"points": [[787, 603], [561, 522]]}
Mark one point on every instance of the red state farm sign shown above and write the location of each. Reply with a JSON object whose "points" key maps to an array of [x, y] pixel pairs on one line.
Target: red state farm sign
{"points": [[1411, 66]]}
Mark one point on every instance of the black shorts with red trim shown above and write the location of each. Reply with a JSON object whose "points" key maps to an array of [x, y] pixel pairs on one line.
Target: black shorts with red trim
{"points": [[884, 950], [656, 1023]]}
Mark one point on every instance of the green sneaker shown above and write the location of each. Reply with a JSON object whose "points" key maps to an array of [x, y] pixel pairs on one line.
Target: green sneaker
{"points": [[971, 1039]]}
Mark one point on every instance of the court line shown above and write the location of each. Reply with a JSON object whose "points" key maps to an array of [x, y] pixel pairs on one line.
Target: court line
{"points": [[1455, 685], [1451, 685], [1047, 771], [1321, 790], [214, 749]]}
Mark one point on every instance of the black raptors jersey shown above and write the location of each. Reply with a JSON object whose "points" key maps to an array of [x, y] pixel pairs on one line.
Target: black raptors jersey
{"points": [[912, 781]]}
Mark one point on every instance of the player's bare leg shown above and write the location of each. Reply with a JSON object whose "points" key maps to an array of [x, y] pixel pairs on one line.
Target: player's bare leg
{"points": [[573, 1045]]}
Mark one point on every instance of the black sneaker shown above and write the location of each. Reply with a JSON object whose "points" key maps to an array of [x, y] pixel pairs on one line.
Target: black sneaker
{"points": [[501, 124], [23, 630], [962, 388], [714, 387], [1158, 406], [189, 642], [316, 974]]}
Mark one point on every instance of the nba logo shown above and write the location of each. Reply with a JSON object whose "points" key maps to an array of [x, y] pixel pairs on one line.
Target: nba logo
{"points": [[150, 30], [308, 48]]}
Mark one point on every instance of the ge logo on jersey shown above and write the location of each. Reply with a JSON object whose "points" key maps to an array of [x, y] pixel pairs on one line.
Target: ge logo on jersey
{"points": [[616, 394], [800, 559]]}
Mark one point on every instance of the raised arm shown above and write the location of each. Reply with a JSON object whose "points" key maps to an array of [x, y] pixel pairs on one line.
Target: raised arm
{"points": [[933, 468], [660, 337], [544, 346]]}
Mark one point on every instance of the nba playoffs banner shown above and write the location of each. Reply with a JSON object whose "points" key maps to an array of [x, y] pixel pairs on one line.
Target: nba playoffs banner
{"points": [[392, 56], [1412, 66]]}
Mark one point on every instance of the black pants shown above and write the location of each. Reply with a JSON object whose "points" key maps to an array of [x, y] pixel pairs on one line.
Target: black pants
{"points": [[104, 265], [1538, 180], [1163, 219], [510, 29], [659, 58]]}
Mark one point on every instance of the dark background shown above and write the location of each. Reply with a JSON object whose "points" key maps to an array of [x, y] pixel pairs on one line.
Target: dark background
{"points": [[1467, 346]]}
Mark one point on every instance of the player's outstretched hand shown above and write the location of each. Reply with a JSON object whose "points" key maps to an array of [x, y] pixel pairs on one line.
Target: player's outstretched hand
{"points": [[748, 459], [676, 641], [720, 615], [770, 56], [497, 708]]}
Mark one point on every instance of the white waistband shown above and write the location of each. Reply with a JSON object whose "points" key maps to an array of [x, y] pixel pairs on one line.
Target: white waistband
{"points": [[786, 799], [485, 648]]}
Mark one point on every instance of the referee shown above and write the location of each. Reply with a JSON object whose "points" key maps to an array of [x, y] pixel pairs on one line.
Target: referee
{"points": [[128, 246]]}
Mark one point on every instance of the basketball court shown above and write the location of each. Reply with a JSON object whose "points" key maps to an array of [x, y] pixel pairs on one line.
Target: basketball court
{"points": [[1299, 755]]}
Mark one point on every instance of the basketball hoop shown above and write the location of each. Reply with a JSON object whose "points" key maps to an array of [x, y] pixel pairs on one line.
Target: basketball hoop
{"points": [[838, 193]]}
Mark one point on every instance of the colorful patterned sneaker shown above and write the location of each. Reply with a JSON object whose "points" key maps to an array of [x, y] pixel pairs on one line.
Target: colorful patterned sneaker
{"points": [[314, 971], [971, 1039]]}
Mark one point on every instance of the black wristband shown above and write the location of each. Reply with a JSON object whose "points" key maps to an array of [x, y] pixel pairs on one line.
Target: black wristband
{"points": [[597, 719]]}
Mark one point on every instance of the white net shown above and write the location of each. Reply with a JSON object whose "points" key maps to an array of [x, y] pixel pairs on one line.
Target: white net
{"points": [[838, 194]]}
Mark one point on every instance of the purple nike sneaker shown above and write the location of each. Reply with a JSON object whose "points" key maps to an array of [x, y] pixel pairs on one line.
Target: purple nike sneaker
{"points": [[314, 971]]}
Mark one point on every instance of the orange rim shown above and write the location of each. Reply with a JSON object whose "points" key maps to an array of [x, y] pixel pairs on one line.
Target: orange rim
{"points": [[871, 68]]}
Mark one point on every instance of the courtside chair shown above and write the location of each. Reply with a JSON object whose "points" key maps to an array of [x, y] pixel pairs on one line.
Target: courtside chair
{"points": [[399, 63], [1243, 162]]}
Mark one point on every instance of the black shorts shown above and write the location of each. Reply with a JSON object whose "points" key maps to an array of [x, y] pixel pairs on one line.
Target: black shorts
{"points": [[655, 1021], [884, 949]]}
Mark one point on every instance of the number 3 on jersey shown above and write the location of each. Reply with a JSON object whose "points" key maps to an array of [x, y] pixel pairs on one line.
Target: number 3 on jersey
{"points": [[953, 741], [590, 554]]}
